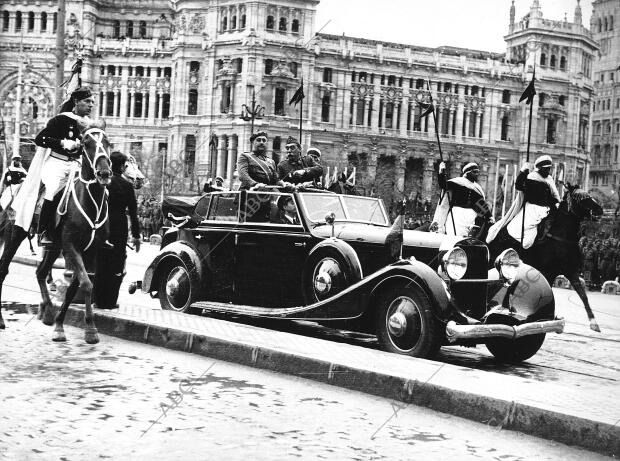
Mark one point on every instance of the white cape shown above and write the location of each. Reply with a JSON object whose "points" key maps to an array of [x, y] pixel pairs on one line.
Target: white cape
{"points": [[464, 218], [25, 201]]}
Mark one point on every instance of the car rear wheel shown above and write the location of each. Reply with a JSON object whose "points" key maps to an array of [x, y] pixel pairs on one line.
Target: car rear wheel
{"points": [[406, 324], [515, 350], [175, 288]]}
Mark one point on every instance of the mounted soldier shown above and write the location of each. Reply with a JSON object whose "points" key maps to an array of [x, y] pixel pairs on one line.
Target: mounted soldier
{"points": [[462, 206], [11, 180], [537, 198]]}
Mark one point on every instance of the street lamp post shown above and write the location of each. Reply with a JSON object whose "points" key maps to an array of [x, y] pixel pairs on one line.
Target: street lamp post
{"points": [[252, 112]]}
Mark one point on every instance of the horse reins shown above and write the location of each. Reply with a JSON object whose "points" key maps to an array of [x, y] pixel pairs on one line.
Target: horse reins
{"points": [[97, 135]]}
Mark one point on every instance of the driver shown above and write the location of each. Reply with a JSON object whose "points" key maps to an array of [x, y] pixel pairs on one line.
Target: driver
{"points": [[62, 136]]}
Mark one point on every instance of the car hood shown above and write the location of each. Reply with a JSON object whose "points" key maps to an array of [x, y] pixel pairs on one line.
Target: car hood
{"points": [[368, 233]]}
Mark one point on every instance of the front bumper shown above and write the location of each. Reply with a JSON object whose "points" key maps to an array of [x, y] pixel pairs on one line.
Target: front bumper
{"points": [[456, 332]]}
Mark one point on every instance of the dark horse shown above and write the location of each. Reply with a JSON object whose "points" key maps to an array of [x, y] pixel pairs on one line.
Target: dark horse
{"points": [[557, 252], [81, 231]]}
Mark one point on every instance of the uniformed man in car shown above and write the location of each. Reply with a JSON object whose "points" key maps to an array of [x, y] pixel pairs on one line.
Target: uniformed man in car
{"points": [[255, 168], [294, 169]]}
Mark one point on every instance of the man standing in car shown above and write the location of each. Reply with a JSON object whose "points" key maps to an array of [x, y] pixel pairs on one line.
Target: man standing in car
{"points": [[295, 169], [255, 168]]}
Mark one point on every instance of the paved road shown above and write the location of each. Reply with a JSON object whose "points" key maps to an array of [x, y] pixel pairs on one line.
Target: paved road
{"points": [[74, 401], [584, 358]]}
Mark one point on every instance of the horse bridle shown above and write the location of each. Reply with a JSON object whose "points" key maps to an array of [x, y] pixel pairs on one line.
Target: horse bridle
{"points": [[97, 135]]}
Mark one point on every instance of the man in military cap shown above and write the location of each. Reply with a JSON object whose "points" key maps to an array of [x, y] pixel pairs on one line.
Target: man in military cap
{"points": [[255, 168], [463, 203], [13, 177], [62, 136], [294, 168], [539, 195]]}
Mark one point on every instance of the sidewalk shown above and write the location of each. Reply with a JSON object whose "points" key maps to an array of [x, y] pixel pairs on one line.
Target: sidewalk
{"points": [[564, 411]]}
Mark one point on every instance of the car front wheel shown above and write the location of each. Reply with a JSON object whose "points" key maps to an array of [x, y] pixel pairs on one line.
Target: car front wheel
{"points": [[175, 288], [515, 350], [405, 322]]}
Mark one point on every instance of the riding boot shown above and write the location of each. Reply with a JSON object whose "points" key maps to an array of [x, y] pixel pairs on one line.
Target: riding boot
{"points": [[47, 219]]}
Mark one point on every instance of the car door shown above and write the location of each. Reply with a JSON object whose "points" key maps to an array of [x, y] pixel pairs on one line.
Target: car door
{"points": [[269, 257]]}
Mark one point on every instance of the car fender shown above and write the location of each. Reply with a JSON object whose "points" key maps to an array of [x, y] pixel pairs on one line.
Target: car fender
{"points": [[412, 270], [529, 296], [179, 251]]}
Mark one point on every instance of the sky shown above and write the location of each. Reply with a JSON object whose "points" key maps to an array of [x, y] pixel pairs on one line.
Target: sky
{"points": [[476, 24]]}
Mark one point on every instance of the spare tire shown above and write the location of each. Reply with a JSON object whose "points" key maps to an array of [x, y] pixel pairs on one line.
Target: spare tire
{"points": [[331, 267]]}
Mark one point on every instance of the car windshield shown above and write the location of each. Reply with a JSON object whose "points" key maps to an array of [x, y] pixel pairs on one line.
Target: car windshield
{"points": [[345, 207]]}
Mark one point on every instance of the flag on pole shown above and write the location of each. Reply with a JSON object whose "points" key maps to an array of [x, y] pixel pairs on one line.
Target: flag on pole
{"points": [[427, 108], [299, 94], [75, 80], [351, 177], [327, 181], [530, 91]]}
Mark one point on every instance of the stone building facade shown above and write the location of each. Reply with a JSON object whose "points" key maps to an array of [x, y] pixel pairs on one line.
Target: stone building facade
{"points": [[605, 27], [172, 83]]}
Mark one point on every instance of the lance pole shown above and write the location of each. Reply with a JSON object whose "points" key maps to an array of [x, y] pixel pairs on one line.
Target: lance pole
{"points": [[527, 157], [443, 192]]}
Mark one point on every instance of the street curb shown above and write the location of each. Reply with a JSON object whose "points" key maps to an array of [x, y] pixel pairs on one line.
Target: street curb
{"points": [[497, 413], [34, 261]]}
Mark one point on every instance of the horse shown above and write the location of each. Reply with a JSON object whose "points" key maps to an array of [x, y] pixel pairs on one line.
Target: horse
{"points": [[84, 212], [557, 252], [133, 174]]}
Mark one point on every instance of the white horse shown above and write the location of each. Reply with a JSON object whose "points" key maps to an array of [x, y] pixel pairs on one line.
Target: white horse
{"points": [[133, 174]]}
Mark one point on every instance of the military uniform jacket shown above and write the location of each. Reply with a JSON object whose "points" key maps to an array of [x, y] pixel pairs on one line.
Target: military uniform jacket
{"points": [[467, 194], [58, 128], [122, 199], [254, 169], [14, 175], [311, 170], [537, 190]]}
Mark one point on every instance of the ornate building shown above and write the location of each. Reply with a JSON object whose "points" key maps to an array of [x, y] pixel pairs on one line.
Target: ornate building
{"points": [[605, 170], [173, 78]]}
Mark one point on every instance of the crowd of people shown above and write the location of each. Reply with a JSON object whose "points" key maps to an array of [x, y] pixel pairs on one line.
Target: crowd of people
{"points": [[601, 260], [149, 216]]}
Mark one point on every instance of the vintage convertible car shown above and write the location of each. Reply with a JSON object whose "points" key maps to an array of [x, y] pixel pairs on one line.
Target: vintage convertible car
{"points": [[323, 257]]}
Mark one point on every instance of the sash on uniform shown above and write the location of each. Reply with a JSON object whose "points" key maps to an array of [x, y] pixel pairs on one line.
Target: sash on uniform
{"points": [[259, 162]]}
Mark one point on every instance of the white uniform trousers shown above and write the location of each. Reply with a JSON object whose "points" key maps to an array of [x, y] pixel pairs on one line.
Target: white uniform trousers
{"points": [[533, 215], [55, 174], [464, 220]]}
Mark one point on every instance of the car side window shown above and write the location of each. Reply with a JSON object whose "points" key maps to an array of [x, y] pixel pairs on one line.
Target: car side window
{"points": [[224, 207], [202, 207], [259, 207]]}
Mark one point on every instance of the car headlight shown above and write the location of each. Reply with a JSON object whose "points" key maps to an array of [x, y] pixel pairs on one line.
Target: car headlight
{"points": [[455, 263], [507, 264]]}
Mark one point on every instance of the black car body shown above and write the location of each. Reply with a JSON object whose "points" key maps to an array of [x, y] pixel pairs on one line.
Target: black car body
{"points": [[236, 252]]}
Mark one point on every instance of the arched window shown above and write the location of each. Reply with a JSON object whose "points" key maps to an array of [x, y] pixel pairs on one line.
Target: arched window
{"points": [[282, 25], [30, 21], [563, 63], [130, 29], [552, 61], [270, 23], [242, 22], [325, 105], [233, 22], [116, 29], [543, 59], [224, 23], [18, 21], [506, 96], [5, 21], [142, 29], [295, 26], [43, 21]]}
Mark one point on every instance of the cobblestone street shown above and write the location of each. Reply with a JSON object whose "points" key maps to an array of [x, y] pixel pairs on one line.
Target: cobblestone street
{"points": [[123, 400]]}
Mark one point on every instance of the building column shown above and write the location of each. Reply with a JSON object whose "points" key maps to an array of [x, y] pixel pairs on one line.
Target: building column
{"points": [[104, 105], [117, 101], [152, 94], [375, 109], [124, 95], [467, 116], [427, 180], [132, 104], [451, 122], [383, 113], [404, 111], [143, 114], [232, 158], [37, 23], [221, 151], [354, 118], [479, 129], [160, 106]]}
